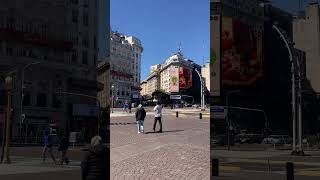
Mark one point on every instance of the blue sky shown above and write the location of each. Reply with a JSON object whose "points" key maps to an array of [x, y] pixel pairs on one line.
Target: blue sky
{"points": [[161, 25]]}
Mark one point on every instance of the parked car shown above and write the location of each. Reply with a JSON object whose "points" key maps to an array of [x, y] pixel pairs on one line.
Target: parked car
{"points": [[249, 138], [219, 140], [277, 139]]}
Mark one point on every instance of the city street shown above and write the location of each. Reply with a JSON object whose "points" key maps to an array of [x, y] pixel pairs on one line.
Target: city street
{"points": [[265, 164], [27, 164], [180, 152]]}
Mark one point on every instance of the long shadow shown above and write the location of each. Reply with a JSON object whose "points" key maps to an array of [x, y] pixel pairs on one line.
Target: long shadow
{"points": [[151, 132], [113, 124]]}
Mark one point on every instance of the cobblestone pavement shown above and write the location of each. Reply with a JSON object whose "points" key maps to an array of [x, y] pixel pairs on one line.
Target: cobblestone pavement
{"points": [[180, 152]]}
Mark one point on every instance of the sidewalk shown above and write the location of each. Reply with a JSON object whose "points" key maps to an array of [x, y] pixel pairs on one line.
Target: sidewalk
{"points": [[22, 165]]}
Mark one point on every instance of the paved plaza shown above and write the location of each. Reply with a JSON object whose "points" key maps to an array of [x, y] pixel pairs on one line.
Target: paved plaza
{"points": [[180, 152]]}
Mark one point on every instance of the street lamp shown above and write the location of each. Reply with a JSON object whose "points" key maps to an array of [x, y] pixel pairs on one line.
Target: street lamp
{"points": [[8, 82], [294, 69], [202, 91], [22, 96], [228, 119]]}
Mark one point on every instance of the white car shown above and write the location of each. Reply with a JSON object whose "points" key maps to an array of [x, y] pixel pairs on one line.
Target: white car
{"points": [[277, 139]]}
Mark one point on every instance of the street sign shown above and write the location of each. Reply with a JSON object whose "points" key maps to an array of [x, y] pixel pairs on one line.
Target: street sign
{"points": [[73, 137], [176, 97], [219, 112]]}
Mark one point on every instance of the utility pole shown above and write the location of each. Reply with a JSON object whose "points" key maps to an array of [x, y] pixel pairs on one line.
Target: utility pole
{"points": [[7, 160], [21, 101]]}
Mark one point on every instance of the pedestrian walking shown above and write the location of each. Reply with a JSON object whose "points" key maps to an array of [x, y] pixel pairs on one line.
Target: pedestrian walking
{"points": [[63, 148], [125, 107], [48, 146], [94, 164], [129, 106], [157, 117], [140, 116]]}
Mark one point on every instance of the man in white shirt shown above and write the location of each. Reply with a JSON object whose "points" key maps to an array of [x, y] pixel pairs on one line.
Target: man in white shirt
{"points": [[157, 116]]}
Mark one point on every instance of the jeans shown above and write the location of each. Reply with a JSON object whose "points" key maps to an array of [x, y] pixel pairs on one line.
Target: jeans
{"points": [[155, 123], [44, 152], [140, 125]]}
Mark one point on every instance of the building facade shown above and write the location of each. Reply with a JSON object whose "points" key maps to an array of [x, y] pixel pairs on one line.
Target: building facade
{"points": [[125, 65], [136, 65], [52, 48], [306, 36], [176, 76], [103, 76]]}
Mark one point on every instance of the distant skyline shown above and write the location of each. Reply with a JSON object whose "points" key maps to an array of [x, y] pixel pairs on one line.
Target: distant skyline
{"points": [[162, 25]]}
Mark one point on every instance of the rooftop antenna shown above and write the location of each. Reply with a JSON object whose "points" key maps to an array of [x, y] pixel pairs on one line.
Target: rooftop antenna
{"points": [[179, 48]]}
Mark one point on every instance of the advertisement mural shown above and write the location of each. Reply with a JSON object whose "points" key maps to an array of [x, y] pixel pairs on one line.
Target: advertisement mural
{"points": [[215, 55], [185, 78], [241, 52], [174, 79]]}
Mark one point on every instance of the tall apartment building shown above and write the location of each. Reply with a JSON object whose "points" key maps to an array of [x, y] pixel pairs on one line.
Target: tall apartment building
{"points": [[125, 64], [306, 36], [176, 76], [52, 46], [136, 65]]}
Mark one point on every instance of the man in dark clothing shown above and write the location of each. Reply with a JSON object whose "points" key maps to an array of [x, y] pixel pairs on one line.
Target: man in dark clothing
{"points": [[48, 147], [140, 116], [94, 164], [63, 147]]}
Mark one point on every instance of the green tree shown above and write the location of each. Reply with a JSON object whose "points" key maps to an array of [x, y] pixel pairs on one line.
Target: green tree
{"points": [[161, 95]]}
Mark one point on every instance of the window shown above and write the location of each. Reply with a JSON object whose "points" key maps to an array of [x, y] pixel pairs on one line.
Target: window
{"points": [[85, 41], [74, 56], [122, 93], [137, 55], [74, 2], [9, 51], [85, 18], [95, 42], [95, 59], [84, 57], [42, 100], [56, 103], [75, 15], [26, 98]]}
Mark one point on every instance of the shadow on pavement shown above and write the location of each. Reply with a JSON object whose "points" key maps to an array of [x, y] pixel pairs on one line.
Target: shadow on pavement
{"points": [[112, 124], [151, 132]]}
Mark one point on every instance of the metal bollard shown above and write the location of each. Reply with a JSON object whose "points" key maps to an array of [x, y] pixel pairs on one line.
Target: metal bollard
{"points": [[215, 167], [290, 171], [200, 115], [177, 114]]}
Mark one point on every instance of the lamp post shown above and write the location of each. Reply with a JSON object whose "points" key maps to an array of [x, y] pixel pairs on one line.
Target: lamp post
{"points": [[22, 96], [294, 69], [202, 91], [228, 119], [8, 82]]}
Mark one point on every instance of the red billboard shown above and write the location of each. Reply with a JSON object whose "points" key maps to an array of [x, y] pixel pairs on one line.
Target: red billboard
{"points": [[241, 52], [185, 78]]}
